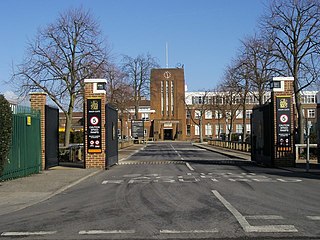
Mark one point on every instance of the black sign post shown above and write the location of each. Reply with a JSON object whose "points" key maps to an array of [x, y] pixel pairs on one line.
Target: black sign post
{"points": [[137, 127], [283, 113], [94, 125]]}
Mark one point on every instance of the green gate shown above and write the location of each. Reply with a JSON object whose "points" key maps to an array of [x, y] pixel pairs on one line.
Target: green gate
{"points": [[25, 152]]}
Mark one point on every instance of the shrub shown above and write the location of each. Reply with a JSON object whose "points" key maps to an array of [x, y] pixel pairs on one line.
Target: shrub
{"points": [[5, 131]]}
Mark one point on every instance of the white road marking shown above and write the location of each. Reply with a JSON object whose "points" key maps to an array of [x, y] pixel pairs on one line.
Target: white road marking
{"points": [[95, 232], [176, 152], [271, 228], [314, 218], [215, 177], [188, 232], [289, 180], [112, 181], [28, 233], [132, 175], [265, 217], [244, 223], [239, 180], [189, 166]]}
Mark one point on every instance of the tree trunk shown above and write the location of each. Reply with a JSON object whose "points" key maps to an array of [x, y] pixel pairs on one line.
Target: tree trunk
{"points": [[244, 126], [200, 130], [300, 122], [299, 109], [67, 131], [69, 121]]}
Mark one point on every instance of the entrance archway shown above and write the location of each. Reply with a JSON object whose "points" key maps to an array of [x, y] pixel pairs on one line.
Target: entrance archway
{"points": [[167, 134]]}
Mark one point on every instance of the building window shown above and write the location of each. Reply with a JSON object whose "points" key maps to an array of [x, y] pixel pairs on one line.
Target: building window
{"points": [[239, 114], [188, 113], [219, 129], [218, 114], [197, 99], [167, 98], [248, 114], [208, 129], [311, 113], [145, 116], [309, 99], [208, 114], [208, 100], [197, 114], [172, 98], [188, 130], [248, 127], [238, 128], [196, 130], [145, 132], [162, 97]]}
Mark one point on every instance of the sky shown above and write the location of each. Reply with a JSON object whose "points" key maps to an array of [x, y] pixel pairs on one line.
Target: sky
{"points": [[202, 35]]}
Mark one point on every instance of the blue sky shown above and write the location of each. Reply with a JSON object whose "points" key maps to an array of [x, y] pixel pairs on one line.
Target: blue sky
{"points": [[204, 35]]}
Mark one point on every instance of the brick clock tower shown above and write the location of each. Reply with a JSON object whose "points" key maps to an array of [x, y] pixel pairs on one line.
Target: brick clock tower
{"points": [[167, 96]]}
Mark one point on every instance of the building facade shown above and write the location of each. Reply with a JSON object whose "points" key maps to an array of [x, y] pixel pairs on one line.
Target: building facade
{"points": [[167, 99]]}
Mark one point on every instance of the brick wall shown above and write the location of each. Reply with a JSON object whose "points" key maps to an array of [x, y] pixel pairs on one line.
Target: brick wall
{"points": [[38, 102], [95, 160], [286, 159]]}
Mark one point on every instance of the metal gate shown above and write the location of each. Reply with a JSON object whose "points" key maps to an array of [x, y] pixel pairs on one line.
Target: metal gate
{"points": [[111, 136], [262, 133], [51, 136]]}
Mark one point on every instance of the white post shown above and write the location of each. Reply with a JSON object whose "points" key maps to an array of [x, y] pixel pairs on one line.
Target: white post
{"points": [[308, 145]]}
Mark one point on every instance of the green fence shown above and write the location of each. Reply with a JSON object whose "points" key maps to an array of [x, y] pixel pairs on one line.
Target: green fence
{"points": [[25, 153]]}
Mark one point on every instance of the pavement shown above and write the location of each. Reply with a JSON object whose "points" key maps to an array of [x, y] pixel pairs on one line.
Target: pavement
{"points": [[20, 193], [314, 167]]}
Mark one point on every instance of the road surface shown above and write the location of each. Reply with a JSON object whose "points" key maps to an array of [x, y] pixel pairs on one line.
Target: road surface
{"points": [[162, 193]]}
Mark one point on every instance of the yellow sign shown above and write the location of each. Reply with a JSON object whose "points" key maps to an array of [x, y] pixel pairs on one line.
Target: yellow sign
{"points": [[28, 120], [283, 103]]}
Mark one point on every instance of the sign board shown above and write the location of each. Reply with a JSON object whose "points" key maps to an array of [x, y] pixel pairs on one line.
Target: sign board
{"points": [[94, 125], [137, 127], [29, 121], [283, 114]]}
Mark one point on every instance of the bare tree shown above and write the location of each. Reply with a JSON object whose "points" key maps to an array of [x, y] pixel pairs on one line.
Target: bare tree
{"points": [[238, 78], [200, 104], [138, 73], [294, 26], [218, 108], [119, 93], [61, 56], [257, 65], [232, 97]]}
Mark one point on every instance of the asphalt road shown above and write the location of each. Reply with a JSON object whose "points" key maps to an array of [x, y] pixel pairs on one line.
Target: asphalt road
{"points": [[159, 193]]}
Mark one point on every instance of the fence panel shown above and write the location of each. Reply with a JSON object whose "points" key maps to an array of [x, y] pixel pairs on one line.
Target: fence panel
{"points": [[25, 152]]}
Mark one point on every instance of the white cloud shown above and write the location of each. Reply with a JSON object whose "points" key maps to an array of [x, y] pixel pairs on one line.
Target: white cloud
{"points": [[14, 99]]}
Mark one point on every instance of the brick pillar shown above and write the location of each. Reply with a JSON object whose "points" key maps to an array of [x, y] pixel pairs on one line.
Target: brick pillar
{"points": [[283, 154], [95, 158], [38, 102]]}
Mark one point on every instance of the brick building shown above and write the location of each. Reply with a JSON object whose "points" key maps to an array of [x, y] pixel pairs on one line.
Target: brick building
{"points": [[167, 96], [174, 114]]}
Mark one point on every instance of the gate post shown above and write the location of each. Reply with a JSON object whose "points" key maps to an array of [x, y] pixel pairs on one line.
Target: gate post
{"points": [[94, 127], [38, 102], [282, 103]]}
